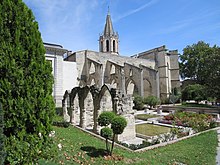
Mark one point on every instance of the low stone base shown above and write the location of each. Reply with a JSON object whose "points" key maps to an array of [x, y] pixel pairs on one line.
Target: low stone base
{"points": [[129, 131]]}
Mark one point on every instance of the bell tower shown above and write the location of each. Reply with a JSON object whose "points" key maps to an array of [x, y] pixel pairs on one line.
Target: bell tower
{"points": [[108, 41]]}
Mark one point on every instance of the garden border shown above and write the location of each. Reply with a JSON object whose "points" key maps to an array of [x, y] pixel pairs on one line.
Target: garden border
{"points": [[149, 147]]}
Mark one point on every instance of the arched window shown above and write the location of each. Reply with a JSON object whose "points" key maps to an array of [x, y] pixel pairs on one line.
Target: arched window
{"points": [[101, 46], [107, 45], [113, 45]]}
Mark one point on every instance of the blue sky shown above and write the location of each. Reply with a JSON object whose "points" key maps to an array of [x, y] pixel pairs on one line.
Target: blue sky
{"points": [[141, 24]]}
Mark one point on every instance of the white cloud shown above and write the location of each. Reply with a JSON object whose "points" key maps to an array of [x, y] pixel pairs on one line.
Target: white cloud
{"points": [[64, 21], [152, 2]]}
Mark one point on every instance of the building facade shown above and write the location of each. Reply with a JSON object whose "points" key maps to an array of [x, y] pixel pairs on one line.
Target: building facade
{"points": [[88, 82]]}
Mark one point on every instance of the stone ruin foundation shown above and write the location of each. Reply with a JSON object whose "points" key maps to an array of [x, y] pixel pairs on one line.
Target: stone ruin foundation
{"points": [[82, 106]]}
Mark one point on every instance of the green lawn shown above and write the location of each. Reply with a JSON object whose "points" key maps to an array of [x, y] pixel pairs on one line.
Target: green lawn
{"points": [[151, 130], [79, 147], [145, 116]]}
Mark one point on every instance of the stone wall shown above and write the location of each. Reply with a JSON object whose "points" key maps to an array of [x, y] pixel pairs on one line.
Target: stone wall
{"points": [[92, 101]]}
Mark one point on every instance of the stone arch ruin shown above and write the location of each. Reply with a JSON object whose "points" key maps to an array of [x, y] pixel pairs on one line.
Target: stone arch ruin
{"points": [[86, 103]]}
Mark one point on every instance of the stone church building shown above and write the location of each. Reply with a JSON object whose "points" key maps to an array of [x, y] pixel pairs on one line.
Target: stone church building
{"points": [[88, 82]]}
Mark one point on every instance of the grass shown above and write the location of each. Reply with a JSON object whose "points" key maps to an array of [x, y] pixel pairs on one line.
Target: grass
{"points": [[145, 116], [151, 130], [81, 148]]}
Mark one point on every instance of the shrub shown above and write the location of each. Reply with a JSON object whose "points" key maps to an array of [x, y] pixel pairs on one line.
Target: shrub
{"points": [[118, 123], [194, 92], [106, 132], [105, 118], [25, 84], [151, 101], [2, 138], [138, 102], [61, 124], [175, 95]]}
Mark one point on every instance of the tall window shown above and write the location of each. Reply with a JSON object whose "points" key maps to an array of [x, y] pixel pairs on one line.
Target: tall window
{"points": [[113, 45], [107, 45], [101, 46]]}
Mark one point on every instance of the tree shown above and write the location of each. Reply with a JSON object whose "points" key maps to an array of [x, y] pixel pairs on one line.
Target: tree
{"points": [[201, 63], [25, 84], [105, 119], [138, 102], [193, 61], [2, 138], [118, 124], [174, 95], [194, 92], [151, 101]]}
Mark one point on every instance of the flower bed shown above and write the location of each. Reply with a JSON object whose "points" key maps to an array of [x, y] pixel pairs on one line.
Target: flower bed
{"points": [[199, 122]]}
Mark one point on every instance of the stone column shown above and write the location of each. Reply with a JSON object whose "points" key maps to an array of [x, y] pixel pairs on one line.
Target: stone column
{"points": [[72, 113], [65, 112], [83, 118], [142, 82], [123, 81], [82, 122], [158, 84]]}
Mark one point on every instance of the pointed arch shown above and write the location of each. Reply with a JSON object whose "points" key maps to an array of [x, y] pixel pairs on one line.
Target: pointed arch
{"points": [[105, 99], [92, 68], [89, 111], [66, 105], [131, 87], [147, 87], [107, 45], [112, 71], [113, 43]]}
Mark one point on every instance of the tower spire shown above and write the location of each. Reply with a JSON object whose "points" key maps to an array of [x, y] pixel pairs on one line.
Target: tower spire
{"points": [[108, 26], [108, 42]]}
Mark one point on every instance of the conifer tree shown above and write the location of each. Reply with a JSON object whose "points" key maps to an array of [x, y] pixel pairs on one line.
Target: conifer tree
{"points": [[2, 150], [25, 84]]}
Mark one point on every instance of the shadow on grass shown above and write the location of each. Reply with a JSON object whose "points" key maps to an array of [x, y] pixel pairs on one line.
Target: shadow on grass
{"points": [[93, 152]]}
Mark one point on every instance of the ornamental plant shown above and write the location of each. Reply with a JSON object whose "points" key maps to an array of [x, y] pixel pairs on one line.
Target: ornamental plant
{"points": [[25, 84], [138, 102], [118, 124], [2, 138], [151, 101]]}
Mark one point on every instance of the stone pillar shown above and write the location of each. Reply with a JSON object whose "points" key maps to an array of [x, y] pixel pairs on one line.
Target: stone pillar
{"points": [[82, 122], [158, 84], [123, 81], [65, 112], [72, 113], [95, 126], [142, 82]]}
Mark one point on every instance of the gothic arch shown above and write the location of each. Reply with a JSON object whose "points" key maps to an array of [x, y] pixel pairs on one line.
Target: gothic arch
{"points": [[107, 46], [92, 68], [74, 106], [131, 87], [66, 105], [89, 110], [114, 49], [105, 99], [147, 87]]}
